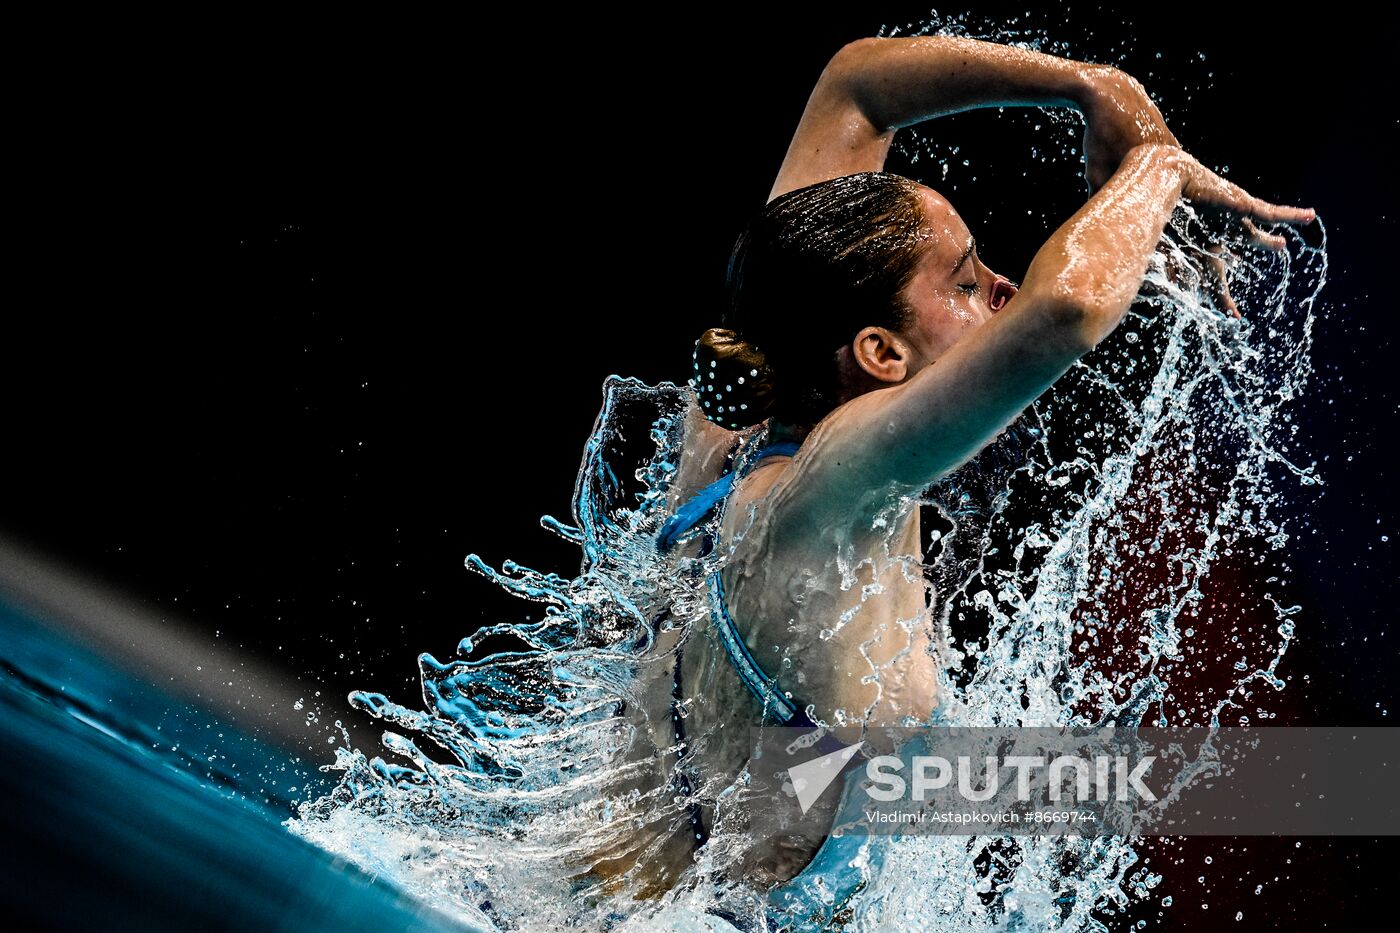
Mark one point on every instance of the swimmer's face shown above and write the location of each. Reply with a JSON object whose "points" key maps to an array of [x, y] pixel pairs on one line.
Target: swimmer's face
{"points": [[952, 291]]}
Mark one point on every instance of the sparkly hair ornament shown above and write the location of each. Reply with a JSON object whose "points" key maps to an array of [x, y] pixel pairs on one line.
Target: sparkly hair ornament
{"points": [[732, 380]]}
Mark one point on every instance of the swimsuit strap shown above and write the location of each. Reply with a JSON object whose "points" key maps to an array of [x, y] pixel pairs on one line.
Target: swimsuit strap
{"points": [[690, 514], [764, 688]]}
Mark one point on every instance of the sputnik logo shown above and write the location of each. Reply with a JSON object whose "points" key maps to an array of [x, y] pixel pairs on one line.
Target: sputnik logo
{"points": [[811, 778]]}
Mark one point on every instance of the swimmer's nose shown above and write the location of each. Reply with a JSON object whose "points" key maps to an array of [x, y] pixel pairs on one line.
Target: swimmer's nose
{"points": [[1002, 291]]}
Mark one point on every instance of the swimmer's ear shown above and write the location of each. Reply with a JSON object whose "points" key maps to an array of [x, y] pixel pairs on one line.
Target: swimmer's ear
{"points": [[882, 354]]}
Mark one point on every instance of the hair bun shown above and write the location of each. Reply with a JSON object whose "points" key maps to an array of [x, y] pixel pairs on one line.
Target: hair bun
{"points": [[732, 379]]}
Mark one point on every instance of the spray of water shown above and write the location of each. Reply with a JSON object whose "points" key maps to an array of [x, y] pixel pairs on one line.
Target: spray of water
{"points": [[1086, 569]]}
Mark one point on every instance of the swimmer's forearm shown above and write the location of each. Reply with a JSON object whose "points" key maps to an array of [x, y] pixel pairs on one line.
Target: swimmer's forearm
{"points": [[901, 81], [871, 87], [1097, 259]]}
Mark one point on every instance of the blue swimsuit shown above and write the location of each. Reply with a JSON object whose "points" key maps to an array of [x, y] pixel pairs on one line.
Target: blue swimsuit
{"points": [[831, 878], [782, 709]]}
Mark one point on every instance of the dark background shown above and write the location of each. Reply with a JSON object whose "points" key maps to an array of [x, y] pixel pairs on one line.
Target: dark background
{"points": [[308, 315]]}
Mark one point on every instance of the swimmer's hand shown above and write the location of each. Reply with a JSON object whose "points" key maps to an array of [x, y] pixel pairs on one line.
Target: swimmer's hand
{"points": [[1118, 115], [1205, 189]]}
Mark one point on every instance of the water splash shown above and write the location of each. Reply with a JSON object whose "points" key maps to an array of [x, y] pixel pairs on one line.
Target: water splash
{"points": [[1097, 564]]}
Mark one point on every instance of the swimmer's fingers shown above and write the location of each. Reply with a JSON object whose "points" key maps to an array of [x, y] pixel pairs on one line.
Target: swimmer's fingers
{"points": [[1263, 237], [1274, 213], [1214, 260], [1280, 213], [1209, 189]]}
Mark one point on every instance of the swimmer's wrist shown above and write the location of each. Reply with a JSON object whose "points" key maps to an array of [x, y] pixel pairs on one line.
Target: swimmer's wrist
{"points": [[1173, 159]]}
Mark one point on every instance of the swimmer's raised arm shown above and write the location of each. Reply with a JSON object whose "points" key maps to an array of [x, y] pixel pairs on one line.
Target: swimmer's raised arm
{"points": [[1080, 284], [874, 86]]}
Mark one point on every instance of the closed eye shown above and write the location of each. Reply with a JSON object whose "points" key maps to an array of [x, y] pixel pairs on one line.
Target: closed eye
{"points": [[970, 288]]}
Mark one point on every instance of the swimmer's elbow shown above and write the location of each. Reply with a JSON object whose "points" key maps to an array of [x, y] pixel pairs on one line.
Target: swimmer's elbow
{"points": [[1063, 319], [849, 73], [851, 58], [850, 69], [865, 56], [1074, 323]]}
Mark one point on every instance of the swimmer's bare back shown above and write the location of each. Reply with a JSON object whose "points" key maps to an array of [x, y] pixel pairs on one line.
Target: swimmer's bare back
{"points": [[787, 521]]}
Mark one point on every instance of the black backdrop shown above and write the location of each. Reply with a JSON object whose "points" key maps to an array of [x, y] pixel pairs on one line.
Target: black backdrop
{"points": [[307, 314]]}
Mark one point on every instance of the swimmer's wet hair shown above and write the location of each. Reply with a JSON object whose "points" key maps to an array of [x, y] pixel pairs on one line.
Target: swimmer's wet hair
{"points": [[812, 269]]}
